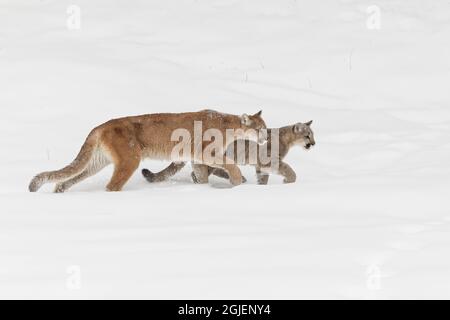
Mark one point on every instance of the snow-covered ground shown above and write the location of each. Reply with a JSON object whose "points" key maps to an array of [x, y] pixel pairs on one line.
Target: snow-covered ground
{"points": [[369, 216]]}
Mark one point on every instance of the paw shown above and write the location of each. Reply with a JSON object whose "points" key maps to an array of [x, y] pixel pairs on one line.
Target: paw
{"points": [[36, 183], [237, 181], [262, 179], [33, 187], [113, 188], [194, 177], [60, 188], [201, 180], [289, 180]]}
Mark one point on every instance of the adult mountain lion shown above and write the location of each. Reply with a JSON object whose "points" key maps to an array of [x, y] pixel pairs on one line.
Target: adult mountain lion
{"points": [[126, 141], [289, 136]]}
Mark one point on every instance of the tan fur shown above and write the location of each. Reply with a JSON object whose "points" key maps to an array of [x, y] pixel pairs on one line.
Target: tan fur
{"points": [[126, 141], [289, 136]]}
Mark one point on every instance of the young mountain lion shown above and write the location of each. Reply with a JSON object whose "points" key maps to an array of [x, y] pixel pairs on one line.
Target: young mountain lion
{"points": [[298, 134], [126, 141]]}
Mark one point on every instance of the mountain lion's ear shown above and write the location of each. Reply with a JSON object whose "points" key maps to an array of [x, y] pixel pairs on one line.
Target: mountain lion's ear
{"points": [[245, 120], [309, 123], [297, 128], [258, 114]]}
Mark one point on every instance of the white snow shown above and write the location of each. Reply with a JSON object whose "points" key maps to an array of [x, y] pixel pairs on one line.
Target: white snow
{"points": [[369, 216]]}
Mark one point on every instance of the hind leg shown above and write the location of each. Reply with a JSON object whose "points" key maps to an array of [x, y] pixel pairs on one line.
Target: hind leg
{"points": [[96, 164], [125, 153], [90, 171], [63, 186], [200, 174]]}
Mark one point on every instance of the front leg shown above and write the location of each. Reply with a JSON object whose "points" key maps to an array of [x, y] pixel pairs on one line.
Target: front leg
{"points": [[286, 171]]}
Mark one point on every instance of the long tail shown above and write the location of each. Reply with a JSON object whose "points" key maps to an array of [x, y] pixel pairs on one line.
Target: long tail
{"points": [[76, 167]]}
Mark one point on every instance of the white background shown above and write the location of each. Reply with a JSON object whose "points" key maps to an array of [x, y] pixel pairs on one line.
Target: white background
{"points": [[368, 217]]}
